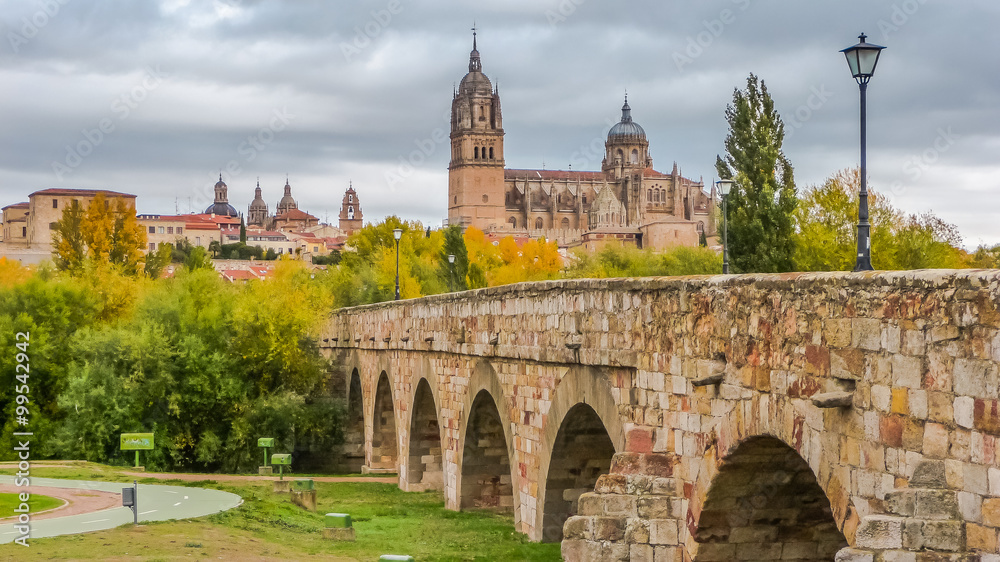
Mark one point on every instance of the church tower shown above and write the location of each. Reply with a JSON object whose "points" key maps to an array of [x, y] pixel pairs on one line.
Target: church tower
{"points": [[351, 218], [257, 215], [475, 174]]}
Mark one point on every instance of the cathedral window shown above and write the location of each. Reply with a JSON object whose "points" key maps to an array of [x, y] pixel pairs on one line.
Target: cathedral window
{"points": [[350, 212], [635, 156], [701, 227], [649, 195], [350, 198], [538, 223], [565, 223], [486, 198], [476, 152], [513, 222], [491, 153], [584, 198]]}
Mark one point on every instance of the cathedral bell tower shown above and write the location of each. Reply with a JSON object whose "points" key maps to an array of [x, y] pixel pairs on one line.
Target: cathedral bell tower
{"points": [[475, 174]]}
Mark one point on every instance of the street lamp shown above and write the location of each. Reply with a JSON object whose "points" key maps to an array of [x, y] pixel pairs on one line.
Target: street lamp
{"points": [[862, 59], [397, 233], [451, 280], [724, 187]]}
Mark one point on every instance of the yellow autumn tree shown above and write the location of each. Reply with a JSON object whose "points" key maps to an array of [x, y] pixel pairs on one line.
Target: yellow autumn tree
{"points": [[12, 273], [107, 232]]}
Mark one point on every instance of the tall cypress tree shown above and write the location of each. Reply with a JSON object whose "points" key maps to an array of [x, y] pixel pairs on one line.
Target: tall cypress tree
{"points": [[763, 199]]}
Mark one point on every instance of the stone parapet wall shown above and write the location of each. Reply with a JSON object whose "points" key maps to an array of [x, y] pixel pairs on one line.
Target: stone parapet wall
{"points": [[863, 375]]}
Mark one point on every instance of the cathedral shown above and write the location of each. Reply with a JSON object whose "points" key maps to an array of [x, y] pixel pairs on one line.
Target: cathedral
{"points": [[627, 202]]}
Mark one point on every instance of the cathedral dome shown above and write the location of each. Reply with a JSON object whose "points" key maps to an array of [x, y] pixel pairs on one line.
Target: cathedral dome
{"points": [[222, 209], [258, 203], [475, 81], [626, 129]]}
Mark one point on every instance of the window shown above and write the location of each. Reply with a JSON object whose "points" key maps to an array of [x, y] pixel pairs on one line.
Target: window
{"points": [[180, 230], [491, 153], [152, 246], [513, 222], [24, 231], [486, 198], [538, 223], [649, 195], [170, 230], [152, 230], [55, 203], [281, 250], [159, 230], [701, 227], [350, 212], [476, 152], [635, 156], [585, 199], [350, 198], [197, 240], [565, 223], [315, 248], [53, 225]]}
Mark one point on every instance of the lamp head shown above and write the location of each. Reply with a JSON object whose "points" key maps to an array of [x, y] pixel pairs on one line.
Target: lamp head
{"points": [[451, 258], [397, 233], [724, 186], [862, 59]]}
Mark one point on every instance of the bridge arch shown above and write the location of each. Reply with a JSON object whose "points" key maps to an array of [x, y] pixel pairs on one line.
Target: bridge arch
{"points": [[583, 431], [354, 431], [425, 456], [486, 475], [384, 441], [766, 503]]}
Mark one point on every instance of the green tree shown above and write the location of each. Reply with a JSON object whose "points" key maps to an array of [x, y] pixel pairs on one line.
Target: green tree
{"points": [[215, 247], [762, 200], [454, 244], [198, 259], [156, 261], [243, 231]]}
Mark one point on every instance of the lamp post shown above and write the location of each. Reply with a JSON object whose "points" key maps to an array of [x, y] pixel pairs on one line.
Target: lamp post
{"points": [[451, 265], [862, 59], [724, 187], [397, 233]]}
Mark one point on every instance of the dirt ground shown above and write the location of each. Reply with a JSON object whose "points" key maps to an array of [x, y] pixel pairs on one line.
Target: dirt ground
{"points": [[76, 501]]}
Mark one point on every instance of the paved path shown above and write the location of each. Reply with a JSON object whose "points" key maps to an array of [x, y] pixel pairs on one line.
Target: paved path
{"points": [[156, 503], [189, 477]]}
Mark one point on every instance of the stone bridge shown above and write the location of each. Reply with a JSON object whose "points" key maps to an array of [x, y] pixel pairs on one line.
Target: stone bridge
{"points": [[756, 417]]}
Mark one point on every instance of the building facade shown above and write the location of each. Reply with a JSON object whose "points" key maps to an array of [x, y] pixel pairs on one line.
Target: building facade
{"points": [[351, 217], [627, 202], [45, 209]]}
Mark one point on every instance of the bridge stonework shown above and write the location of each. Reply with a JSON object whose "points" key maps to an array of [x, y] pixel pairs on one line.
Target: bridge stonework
{"points": [[845, 416]]}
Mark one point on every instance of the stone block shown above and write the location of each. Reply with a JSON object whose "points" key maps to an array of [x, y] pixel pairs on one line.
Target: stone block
{"points": [[759, 551], [668, 486], [935, 504], [854, 555], [590, 504], [577, 527], [981, 538], [615, 552], [901, 502], [640, 553], [716, 552], [637, 531], [898, 556], [620, 505], [948, 536], [880, 532], [306, 499], [610, 484], [935, 441], [663, 531], [970, 506], [578, 550], [609, 528], [991, 512], [964, 411], [654, 507], [866, 333], [929, 474], [667, 553]]}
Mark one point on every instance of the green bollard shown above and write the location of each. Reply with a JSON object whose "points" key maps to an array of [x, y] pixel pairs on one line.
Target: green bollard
{"points": [[396, 558]]}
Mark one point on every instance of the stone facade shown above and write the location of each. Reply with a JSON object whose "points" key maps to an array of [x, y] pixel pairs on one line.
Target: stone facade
{"points": [[756, 417], [45, 208]]}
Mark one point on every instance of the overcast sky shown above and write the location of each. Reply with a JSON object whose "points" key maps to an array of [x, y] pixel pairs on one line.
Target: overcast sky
{"points": [[155, 97]]}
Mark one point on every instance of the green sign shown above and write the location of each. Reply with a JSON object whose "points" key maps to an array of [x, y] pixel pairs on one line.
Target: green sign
{"points": [[281, 459], [265, 442], [136, 441]]}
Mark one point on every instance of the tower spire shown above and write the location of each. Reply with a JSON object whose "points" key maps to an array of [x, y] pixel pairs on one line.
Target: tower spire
{"points": [[475, 65]]}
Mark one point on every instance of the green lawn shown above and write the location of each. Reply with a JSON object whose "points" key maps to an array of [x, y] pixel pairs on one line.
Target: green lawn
{"points": [[269, 526], [37, 503]]}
